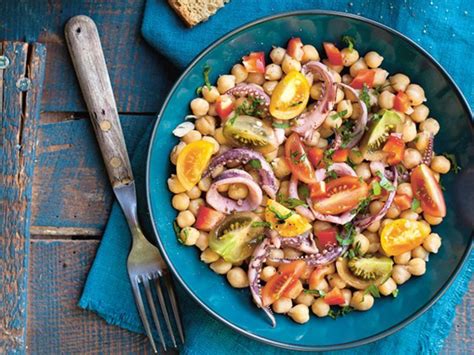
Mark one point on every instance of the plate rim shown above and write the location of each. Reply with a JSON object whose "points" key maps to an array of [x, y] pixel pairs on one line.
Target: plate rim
{"points": [[244, 332]]}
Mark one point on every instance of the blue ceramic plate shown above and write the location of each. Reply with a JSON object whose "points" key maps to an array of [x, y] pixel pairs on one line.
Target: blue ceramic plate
{"points": [[446, 103]]}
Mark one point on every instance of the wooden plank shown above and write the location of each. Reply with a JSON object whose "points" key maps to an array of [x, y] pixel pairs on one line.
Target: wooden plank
{"points": [[56, 325], [19, 121], [71, 188], [134, 67]]}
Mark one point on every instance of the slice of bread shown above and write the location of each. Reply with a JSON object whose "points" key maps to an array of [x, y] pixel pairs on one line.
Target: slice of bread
{"points": [[193, 12]]}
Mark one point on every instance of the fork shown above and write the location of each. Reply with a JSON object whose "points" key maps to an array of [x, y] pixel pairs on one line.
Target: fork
{"points": [[145, 264]]}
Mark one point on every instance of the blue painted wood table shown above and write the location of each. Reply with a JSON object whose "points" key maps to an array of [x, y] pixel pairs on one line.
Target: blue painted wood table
{"points": [[70, 198]]}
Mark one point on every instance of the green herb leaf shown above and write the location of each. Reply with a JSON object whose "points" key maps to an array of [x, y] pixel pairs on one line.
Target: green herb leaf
{"points": [[255, 163], [231, 120], [259, 224], [290, 202], [376, 117], [303, 191], [327, 157], [364, 96], [281, 217], [395, 293], [415, 204], [347, 236], [339, 115], [346, 131], [376, 188], [362, 207], [349, 41], [335, 313], [455, 168], [386, 185], [297, 157], [205, 73], [280, 125], [177, 229], [317, 293], [250, 107], [353, 252], [373, 290], [199, 90]]}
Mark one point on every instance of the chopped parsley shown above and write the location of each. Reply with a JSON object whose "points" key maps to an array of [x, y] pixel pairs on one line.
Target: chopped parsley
{"points": [[364, 96], [331, 175], [384, 183], [349, 41], [280, 216], [250, 107], [303, 191], [338, 115], [380, 88], [317, 293], [415, 204], [362, 207], [346, 131], [395, 293], [185, 232], [327, 157], [281, 125], [339, 312], [297, 157], [376, 117], [259, 224], [255, 163], [373, 290], [290, 202], [353, 252], [177, 229], [376, 188], [454, 164], [347, 236], [207, 83], [356, 152]]}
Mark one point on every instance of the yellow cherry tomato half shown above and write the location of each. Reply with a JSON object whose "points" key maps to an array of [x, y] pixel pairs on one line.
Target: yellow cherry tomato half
{"points": [[290, 96], [192, 161], [285, 221], [402, 235]]}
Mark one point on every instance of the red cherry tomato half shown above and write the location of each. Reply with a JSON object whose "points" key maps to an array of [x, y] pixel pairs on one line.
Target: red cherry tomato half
{"points": [[427, 191], [207, 218], [224, 106], [295, 48], [315, 155], [317, 190], [401, 102], [342, 194], [283, 281], [403, 202], [298, 160], [254, 62], [334, 55], [340, 155], [364, 76], [395, 147], [327, 237], [334, 297], [317, 276]]}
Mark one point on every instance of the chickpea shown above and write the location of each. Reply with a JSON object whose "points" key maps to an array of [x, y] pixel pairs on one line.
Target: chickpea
{"points": [[374, 240], [185, 219], [336, 281], [411, 158], [322, 143], [434, 221], [281, 167], [269, 86], [427, 226], [405, 189], [237, 277], [291, 253], [256, 78], [430, 125], [333, 68], [210, 94], [212, 140], [322, 286], [194, 205], [345, 106], [432, 243], [316, 91], [220, 266], [225, 82], [304, 298], [320, 308], [362, 302], [384, 223], [238, 191], [373, 59], [408, 131], [277, 54], [205, 183], [192, 136], [357, 66], [273, 72], [282, 305], [440, 164], [339, 95], [206, 125], [355, 156], [363, 243], [363, 171], [284, 185], [420, 113], [194, 193], [380, 77], [180, 202], [402, 259], [203, 241], [175, 152], [388, 287], [174, 185], [419, 252], [199, 106], [209, 256], [239, 72], [212, 110], [275, 254], [325, 132], [399, 82], [386, 100], [375, 207], [409, 214], [422, 140], [189, 236], [349, 56], [223, 188], [267, 273], [393, 212], [416, 94], [309, 53], [346, 79], [374, 227], [332, 121], [416, 266], [400, 274], [220, 136], [299, 313], [290, 64]]}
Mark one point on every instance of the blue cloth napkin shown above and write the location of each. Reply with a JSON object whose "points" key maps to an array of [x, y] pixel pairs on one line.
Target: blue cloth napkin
{"points": [[442, 27]]}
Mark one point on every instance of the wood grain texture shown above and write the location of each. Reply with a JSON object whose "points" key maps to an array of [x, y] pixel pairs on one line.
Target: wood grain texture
{"points": [[71, 188], [134, 66], [87, 56], [19, 121]]}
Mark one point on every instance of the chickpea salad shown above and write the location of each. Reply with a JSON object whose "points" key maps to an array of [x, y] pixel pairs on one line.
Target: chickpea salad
{"points": [[309, 179]]}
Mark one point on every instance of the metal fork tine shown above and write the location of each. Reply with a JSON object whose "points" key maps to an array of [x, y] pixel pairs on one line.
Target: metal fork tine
{"points": [[154, 315], [141, 311], [174, 305], [164, 310]]}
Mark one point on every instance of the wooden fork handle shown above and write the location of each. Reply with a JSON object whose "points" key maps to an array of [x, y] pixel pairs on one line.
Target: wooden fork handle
{"points": [[87, 56]]}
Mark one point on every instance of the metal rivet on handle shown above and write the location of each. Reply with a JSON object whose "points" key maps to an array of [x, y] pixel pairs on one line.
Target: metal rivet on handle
{"points": [[105, 125], [4, 62], [115, 162], [23, 84]]}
